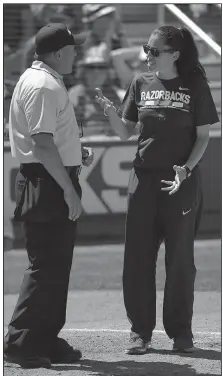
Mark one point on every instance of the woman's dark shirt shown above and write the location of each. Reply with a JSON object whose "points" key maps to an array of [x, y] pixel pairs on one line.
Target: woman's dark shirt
{"points": [[168, 113]]}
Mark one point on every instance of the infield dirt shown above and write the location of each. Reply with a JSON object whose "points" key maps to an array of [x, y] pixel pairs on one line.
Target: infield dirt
{"points": [[97, 324]]}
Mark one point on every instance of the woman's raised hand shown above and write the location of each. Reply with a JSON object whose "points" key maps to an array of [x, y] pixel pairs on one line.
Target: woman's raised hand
{"points": [[100, 99]]}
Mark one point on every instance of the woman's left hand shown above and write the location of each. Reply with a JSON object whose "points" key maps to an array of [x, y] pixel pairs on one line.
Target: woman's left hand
{"points": [[87, 156], [174, 186]]}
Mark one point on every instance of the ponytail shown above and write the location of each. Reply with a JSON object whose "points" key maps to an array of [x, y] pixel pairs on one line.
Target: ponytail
{"points": [[188, 64]]}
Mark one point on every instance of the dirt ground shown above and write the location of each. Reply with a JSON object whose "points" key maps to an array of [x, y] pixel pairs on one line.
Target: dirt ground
{"points": [[97, 324]]}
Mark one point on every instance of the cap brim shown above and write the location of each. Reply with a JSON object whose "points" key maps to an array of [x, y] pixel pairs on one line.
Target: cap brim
{"points": [[79, 38]]}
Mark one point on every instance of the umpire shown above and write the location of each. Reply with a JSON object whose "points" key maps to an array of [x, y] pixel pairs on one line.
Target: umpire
{"points": [[44, 136]]}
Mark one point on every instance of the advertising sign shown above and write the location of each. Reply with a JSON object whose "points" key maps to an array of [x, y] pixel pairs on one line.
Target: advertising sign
{"points": [[104, 183], [104, 186]]}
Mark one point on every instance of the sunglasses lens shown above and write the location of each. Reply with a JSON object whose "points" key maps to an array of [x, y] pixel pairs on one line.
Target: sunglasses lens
{"points": [[145, 49], [154, 51]]}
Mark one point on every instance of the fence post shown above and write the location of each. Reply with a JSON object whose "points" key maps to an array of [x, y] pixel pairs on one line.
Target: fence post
{"points": [[161, 15]]}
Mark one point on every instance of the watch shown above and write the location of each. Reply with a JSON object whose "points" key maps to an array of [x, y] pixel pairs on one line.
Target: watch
{"points": [[188, 171]]}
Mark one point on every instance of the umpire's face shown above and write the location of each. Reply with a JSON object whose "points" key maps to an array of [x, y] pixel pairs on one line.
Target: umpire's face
{"points": [[64, 59]]}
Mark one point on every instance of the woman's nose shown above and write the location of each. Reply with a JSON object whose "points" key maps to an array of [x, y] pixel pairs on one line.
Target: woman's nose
{"points": [[149, 54]]}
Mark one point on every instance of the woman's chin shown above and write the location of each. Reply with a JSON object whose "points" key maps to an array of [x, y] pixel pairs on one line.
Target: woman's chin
{"points": [[151, 67]]}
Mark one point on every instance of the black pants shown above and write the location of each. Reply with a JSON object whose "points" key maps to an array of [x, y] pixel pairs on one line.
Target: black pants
{"points": [[40, 311], [153, 216]]}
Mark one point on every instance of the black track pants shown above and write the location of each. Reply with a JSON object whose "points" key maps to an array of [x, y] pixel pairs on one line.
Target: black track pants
{"points": [[153, 216]]}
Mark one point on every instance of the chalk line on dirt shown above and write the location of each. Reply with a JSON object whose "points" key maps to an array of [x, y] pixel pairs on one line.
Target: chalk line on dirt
{"points": [[107, 330]]}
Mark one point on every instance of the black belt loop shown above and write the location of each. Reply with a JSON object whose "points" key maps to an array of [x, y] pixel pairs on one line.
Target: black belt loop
{"points": [[71, 168]]}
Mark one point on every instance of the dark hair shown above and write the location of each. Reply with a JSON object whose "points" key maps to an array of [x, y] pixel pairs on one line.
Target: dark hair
{"points": [[188, 64]]}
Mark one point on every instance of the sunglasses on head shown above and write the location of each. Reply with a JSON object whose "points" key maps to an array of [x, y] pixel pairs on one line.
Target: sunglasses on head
{"points": [[154, 51]]}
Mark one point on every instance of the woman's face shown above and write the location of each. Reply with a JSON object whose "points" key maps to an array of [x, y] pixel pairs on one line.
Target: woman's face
{"points": [[165, 61]]}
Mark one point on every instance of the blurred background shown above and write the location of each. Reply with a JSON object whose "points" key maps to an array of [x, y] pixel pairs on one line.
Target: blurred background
{"points": [[109, 59]]}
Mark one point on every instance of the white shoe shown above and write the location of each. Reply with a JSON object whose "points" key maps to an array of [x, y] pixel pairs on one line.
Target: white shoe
{"points": [[137, 346]]}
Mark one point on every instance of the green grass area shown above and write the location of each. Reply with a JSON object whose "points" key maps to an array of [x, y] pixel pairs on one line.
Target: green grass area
{"points": [[100, 268]]}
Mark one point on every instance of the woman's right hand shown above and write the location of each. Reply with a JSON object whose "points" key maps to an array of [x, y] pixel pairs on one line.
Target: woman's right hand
{"points": [[100, 99]]}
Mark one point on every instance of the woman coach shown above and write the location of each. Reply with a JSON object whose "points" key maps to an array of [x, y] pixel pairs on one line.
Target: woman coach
{"points": [[174, 106]]}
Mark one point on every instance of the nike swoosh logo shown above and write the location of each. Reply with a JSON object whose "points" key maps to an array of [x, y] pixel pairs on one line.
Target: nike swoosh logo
{"points": [[183, 88], [184, 213]]}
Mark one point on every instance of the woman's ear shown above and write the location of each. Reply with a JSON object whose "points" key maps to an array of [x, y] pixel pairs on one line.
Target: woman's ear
{"points": [[176, 55]]}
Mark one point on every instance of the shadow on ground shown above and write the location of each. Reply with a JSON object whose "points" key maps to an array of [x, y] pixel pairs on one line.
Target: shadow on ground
{"points": [[201, 354], [131, 368]]}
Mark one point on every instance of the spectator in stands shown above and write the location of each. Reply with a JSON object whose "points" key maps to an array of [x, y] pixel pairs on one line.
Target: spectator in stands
{"points": [[198, 9], [104, 25], [94, 70], [175, 108], [18, 25], [104, 33], [127, 62], [43, 14]]}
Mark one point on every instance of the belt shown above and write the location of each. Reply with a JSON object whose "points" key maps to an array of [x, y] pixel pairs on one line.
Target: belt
{"points": [[38, 170]]}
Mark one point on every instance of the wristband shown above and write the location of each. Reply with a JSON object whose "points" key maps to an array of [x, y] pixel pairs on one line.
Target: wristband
{"points": [[107, 107], [188, 171]]}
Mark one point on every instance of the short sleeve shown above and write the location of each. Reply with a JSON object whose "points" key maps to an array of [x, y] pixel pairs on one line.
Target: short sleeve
{"points": [[41, 111], [205, 110], [128, 109]]}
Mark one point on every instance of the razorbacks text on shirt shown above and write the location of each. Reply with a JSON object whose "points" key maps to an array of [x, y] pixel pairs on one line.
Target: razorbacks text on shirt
{"points": [[168, 113], [165, 95]]}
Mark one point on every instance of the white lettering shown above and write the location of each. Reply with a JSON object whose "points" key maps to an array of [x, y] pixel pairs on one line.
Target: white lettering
{"points": [[172, 97], [148, 95], [153, 94], [150, 103], [187, 99], [143, 96], [178, 104], [182, 97], [167, 95], [161, 94], [177, 96], [157, 94], [91, 203]]}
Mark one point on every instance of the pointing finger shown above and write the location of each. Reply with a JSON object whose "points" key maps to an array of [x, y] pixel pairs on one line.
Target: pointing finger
{"points": [[99, 92]]}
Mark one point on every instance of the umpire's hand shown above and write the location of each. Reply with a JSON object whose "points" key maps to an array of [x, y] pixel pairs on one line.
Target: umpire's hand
{"points": [[175, 185], [73, 202], [87, 156]]}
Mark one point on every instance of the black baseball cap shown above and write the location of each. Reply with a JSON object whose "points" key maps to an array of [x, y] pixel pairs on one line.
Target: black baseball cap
{"points": [[55, 36]]}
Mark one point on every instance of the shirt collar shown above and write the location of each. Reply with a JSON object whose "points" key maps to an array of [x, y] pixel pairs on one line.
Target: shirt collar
{"points": [[37, 64]]}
